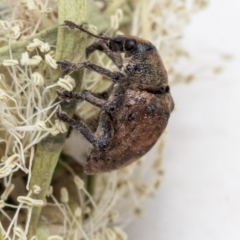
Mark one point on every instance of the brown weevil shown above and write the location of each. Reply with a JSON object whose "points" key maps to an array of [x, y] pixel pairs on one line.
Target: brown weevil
{"points": [[134, 111]]}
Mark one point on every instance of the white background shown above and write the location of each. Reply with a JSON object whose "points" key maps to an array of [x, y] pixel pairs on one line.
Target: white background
{"points": [[200, 195]]}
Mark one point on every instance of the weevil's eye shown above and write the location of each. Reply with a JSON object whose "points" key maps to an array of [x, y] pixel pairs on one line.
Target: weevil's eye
{"points": [[130, 45]]}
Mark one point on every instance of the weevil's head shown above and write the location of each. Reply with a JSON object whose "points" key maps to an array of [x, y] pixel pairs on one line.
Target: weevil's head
{"points": [[142, 64], [129, 45]]}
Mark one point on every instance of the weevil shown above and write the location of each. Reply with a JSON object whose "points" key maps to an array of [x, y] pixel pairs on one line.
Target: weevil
{"points": [[134, 111]]}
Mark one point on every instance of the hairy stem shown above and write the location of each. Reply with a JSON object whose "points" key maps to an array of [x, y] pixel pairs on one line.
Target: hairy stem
{"points": [[70, 45]]}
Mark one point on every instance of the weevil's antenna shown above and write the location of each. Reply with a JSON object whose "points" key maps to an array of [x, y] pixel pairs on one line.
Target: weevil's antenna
{"points": [[80, 27]]}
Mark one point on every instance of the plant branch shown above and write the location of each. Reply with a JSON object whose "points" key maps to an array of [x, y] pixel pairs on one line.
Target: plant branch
{"points": [[70, 45]]}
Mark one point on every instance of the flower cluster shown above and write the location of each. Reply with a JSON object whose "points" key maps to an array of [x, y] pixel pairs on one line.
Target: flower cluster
{"points": [[27, 107]]}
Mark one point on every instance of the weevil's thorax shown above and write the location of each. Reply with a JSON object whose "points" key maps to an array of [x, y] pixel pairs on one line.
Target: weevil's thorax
{"points": [[145, 70]]}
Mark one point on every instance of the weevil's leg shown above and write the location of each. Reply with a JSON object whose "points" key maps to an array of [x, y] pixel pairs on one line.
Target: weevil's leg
{"points": [[104, 131], [92, 122], [69, 67], [68, 95], [115, 99], [80, 126], [102, 46], [85, 95], [91, 98], [110, 105], [103, 134], [117, 77]]}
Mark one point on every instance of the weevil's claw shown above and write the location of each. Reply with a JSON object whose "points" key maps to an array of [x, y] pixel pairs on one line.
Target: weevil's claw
{"points": [[69, 24], [72, 25], [69, 67], [66, 66]]}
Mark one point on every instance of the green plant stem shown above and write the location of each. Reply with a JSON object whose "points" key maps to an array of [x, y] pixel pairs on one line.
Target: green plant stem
{"points": [[1, 236], [70, 45]]}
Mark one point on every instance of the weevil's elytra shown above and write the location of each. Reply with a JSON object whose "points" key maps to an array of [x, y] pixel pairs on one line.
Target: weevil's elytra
{"points": [[152, 106], [134, 111]]}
